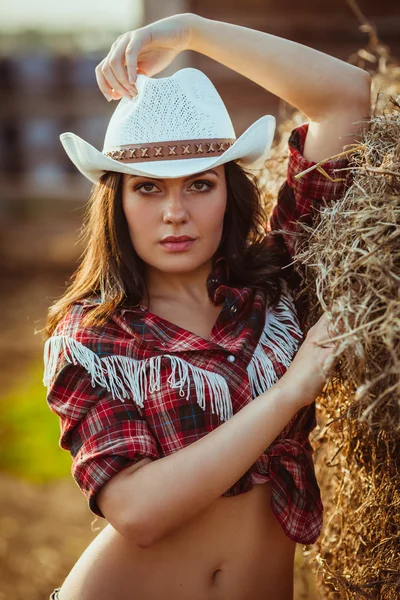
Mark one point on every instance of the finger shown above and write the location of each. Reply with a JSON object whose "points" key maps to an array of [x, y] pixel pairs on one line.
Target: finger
{"points": [[112, 72], [335, 329], [137, 41], [117, 63], [104, 86], [329, 365], [106, 79], [131, 55]]}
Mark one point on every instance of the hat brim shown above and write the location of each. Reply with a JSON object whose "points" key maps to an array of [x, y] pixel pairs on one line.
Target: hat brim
{"points": [[250, 150]]}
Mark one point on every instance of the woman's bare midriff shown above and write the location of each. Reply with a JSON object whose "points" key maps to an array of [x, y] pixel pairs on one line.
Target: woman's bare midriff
{"points": [[234, 550]]}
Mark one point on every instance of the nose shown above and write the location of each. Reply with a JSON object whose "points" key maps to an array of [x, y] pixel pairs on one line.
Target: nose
{"points": [[175, 210]]}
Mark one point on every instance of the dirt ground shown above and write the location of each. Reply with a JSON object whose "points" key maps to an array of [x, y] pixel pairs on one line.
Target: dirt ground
{"points": [[45, 528]]}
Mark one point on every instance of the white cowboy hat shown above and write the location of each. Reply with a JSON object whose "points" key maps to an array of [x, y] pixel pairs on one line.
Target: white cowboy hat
{"points": [[170, 121]]}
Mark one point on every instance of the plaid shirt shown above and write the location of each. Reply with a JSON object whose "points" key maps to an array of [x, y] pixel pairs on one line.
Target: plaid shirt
{"points": [[141, 386]]}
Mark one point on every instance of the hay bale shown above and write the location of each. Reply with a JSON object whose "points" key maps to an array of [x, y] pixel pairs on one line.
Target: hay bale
{"points": [[350, 267]]}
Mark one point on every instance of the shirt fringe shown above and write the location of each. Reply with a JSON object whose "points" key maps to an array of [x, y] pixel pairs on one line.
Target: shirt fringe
{"points": [[126, 377], [279, 337]]}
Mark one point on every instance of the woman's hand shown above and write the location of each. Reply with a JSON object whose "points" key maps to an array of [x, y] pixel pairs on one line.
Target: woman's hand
{"points": [[147, 50], [313, 364]]}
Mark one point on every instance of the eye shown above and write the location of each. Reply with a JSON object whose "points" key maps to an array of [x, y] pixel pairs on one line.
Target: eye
{"points": [[142, 185], [208, 184], [202, 182]]}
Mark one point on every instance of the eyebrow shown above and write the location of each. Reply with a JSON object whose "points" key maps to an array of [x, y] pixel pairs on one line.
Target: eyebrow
{"points": [[185, 179]]}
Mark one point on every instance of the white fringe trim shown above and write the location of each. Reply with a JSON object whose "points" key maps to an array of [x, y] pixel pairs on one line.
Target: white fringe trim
{"points": [[75, 353], [127, 377], [277, 336]]}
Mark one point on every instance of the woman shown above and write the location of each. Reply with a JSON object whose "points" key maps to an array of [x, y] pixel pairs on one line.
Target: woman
{"points": [[176, 360]]}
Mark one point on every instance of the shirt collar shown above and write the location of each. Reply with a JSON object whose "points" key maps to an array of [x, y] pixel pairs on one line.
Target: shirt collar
{"points": [[138, 321]]}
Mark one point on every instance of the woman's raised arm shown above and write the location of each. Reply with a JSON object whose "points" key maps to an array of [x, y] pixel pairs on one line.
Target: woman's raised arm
{"points": [[333, 94]]}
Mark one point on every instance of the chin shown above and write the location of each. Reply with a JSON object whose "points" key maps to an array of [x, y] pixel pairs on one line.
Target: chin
{"points": [[179, 262]]}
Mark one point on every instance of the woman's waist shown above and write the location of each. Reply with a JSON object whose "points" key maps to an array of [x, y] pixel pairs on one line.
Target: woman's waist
{"points": [[232, 519], [228, 523], [236, 539]]}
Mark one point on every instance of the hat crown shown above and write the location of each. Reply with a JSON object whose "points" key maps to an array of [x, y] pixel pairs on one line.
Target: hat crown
{"points": [[184, 106]]}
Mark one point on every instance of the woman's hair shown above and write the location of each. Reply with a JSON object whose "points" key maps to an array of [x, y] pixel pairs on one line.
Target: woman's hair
{"points": [[109, 265]]}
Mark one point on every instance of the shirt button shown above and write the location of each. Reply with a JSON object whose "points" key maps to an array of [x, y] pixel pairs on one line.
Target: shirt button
{"points": [[234, 309], [231, 358]]}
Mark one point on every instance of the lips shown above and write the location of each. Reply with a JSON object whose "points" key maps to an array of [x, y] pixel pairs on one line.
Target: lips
{"points": [[177, 244], [182, 238]]}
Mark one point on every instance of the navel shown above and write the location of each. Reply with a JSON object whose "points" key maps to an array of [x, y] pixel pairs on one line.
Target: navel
{"points": [[215, 576]]}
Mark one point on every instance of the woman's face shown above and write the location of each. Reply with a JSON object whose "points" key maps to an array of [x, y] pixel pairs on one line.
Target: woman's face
{"points": [[185, 206]]}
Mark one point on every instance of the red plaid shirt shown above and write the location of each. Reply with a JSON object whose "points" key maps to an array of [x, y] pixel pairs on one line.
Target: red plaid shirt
{"points": [[141, 386]]}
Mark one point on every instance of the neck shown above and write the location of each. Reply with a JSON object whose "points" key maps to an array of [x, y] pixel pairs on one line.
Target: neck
{"points": [[178, 288]]}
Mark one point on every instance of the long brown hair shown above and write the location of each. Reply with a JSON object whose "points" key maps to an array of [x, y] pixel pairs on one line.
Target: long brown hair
{"points": [[109, 265]]}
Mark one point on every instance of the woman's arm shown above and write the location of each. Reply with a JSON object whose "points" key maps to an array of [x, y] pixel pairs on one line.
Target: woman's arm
{"points": [[330, 92], [159, 497]]}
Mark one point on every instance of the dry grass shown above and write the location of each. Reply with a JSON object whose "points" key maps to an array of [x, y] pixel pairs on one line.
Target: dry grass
{"points": [[349, 263]]}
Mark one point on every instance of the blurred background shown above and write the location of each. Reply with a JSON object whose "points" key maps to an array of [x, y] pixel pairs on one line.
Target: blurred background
{"points": [[48, 54]]}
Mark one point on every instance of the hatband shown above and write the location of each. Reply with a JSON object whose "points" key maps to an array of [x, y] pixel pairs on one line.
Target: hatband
{"points": [[170, 150]]}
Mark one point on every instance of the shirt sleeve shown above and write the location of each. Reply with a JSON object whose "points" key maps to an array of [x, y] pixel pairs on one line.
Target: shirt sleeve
{"points": [[297, 198], [288, 464], [103, 435], [297, 201]]}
